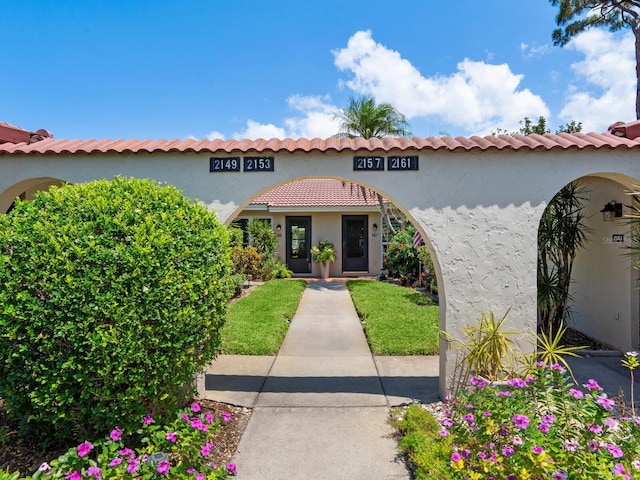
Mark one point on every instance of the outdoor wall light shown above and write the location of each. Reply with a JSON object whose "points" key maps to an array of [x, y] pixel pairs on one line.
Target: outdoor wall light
{"points": [[375, 227], [278, 228], [611, 210]]}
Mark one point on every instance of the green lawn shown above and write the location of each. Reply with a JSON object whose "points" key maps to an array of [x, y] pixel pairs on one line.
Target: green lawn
{"points": [[256, 324], [396, 320]]}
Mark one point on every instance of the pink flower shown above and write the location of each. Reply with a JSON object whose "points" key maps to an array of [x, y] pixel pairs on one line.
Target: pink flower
{"points": [[594, 445], [115, 434], [537, 449], [544, 428], [209, 418], [205, 450], [605, 402], [455, 457], [447, 422], [558, 367], [619, 471], [195, 407], [593, 385], [597, 429], [517, 383], [43, 467], [226, 417], [163, 467], [559, 475], [125, 452], [444, 432], [576, 393], [200, 476], [115, 462], [507, 451], [614, 450], [610, 422], [231, 468], [84, 448], [517, 440], [75, 475], [185, 417], [171, 436], [133, 465], [548, 419], [520, 421], [571, 445], [94, 472], [148, 419]]}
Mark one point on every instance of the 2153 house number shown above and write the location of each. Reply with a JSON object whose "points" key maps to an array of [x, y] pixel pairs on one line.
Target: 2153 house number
{"points": [[258, 164]]}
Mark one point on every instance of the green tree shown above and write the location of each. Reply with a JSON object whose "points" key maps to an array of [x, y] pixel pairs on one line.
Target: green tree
{"points": [[364, 118], [540, 127], [577, 16]]}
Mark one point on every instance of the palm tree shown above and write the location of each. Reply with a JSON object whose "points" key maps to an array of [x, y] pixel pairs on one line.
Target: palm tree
{"points": [[364, 118]]}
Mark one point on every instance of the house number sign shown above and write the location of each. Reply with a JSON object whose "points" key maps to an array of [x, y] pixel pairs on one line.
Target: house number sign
{"points": [[249, 164], [394, 163]]}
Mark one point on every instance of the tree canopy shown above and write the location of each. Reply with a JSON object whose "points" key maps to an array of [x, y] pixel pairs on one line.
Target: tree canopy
{"points": [[364, 118], [577, 16]]}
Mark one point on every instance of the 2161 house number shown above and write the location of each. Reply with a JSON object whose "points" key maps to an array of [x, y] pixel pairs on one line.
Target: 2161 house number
{"points": [[409, 162]]}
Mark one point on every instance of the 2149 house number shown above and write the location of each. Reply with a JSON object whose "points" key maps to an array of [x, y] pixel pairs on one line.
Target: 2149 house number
{"points": [[249, 164]]}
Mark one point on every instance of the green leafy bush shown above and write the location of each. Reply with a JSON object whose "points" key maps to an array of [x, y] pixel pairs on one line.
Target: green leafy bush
{"points": [[400, 258], [246, 260], [113, 294]]}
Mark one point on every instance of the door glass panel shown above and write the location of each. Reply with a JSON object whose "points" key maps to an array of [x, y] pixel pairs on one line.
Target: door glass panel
{"points": [[298, 242]]}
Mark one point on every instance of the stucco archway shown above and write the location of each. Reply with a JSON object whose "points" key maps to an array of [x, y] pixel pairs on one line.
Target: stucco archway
{"points": [[25, 190]]}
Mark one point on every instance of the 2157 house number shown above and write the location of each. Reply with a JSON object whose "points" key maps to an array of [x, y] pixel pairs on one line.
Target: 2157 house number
{"points": [[394, 163]]}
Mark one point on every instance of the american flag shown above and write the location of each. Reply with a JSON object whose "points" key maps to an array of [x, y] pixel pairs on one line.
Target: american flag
{"points": [[417, 239]]}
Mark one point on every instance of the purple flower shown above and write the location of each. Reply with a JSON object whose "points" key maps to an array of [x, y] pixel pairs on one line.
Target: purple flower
{"points": [[231, 468], [549, 419], [132, 467], [206, 449], [163, 467], [444, 432], [171, 436], [196, 423], [126, 452], [195, 407], [614, 450], [593, 445], [536, 449], [557, 367], [605, 402], [75, 475], [593, 385], [447, 422], [115, 462], [148, 419], [517, 383], [200, 476], [455, 457], [520, 421], [571, 445], [84, 448], [544, 428], [209, 418], [610, 422], [226, 417], [465, 453], [486, 414], [94, 472], [619, 471], [540, 363], [508, 451], [559, 475], [115, 434], [468, 417], [185, 417]]}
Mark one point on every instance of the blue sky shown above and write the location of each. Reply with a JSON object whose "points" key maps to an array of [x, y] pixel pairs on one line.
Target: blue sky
{"points": [[262, 69]]}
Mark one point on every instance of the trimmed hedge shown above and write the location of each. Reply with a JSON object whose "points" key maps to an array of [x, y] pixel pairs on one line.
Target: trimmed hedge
{"points": [[111, 301]]}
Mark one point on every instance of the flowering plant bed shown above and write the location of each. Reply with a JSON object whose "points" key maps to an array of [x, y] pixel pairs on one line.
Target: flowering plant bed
{"points": [[541, 427]]}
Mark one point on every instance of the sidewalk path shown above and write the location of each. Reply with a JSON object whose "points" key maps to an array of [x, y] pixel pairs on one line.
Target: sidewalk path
{"points": [[320, 407]]}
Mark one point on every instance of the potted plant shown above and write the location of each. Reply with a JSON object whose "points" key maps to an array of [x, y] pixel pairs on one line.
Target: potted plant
{"points": [[325, 254]]}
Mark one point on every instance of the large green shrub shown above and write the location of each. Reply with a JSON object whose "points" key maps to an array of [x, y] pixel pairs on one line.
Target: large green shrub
{"points": [[113, 294], [400, 258]]}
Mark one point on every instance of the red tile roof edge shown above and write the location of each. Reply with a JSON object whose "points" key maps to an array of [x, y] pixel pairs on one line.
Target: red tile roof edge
{"points": [[533, 142]]}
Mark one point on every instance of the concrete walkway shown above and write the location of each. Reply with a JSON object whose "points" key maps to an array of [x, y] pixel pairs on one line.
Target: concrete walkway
{"points": [[320, 407]]}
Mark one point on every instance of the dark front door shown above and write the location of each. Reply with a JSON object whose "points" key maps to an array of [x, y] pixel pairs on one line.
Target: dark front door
{"points": [[355, 247], [298, 244]]}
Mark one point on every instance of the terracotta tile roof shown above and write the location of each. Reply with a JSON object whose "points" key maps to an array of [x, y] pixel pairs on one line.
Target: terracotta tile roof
{"points": [[620, 136], [533, 142], [12, 134], [318, 192]]}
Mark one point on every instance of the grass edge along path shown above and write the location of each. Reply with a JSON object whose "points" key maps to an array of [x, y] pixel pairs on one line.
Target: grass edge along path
{"points": [[257, 324], [396, 320]]}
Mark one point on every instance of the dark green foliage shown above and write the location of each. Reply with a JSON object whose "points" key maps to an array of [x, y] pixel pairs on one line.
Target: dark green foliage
{"points": [[427, 452], [113, 294], [562, 232], [400, 258]]}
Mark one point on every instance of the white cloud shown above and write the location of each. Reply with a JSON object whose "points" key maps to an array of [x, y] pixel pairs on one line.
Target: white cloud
{"points": [[605, 89], [213, 135], [535, 50], [477, 97], [256, 130], [317, 117]]}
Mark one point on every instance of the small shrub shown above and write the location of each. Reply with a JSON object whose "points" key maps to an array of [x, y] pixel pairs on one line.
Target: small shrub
{"points": [[246, 260], [400, 258], [237, 284], [113, 295]]}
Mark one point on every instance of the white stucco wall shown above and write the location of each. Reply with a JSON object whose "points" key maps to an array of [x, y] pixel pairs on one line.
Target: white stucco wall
{"points": [[479, 211]]}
